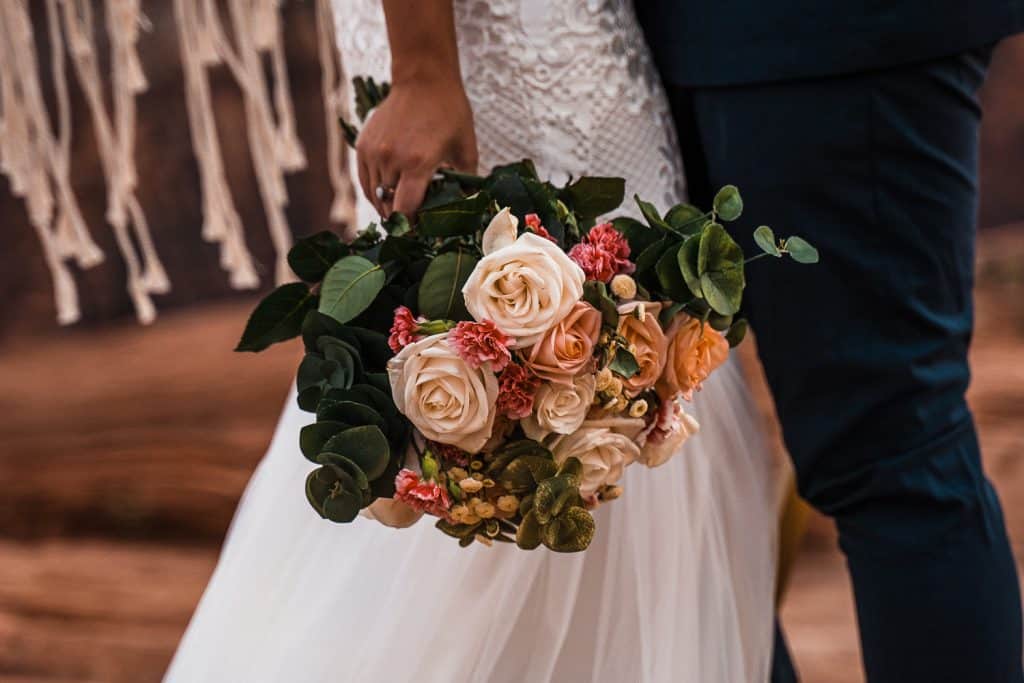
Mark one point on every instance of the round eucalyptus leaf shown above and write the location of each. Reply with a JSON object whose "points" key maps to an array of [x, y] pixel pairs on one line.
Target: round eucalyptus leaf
{"points": [[570, 532], [687, 258], [528, 534], [764, 237], [728, 203], [366, 446], [801, 251], [313, 437]]}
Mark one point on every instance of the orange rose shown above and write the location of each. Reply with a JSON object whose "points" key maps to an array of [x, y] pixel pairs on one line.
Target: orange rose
{"points": [[567, 348], [650, 342], [695, 350]]}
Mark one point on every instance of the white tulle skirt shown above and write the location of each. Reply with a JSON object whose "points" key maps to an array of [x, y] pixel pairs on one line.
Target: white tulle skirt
{"points": [[677, 586]]}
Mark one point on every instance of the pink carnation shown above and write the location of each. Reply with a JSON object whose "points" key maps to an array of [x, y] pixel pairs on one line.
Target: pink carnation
{"points": [[422, 494], [516, 388], [479, 343], [533, 224], [404, 330], [603, 253]]}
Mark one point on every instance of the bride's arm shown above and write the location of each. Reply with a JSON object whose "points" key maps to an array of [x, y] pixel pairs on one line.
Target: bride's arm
{"points": [[426, 121]]}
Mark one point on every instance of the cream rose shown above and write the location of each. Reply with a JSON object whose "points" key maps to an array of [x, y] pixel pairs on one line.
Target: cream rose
{"points": [[649, 341], [567, 348], [525, 287], [667, 434], [604, 454], [559, 408], [444, 398]]}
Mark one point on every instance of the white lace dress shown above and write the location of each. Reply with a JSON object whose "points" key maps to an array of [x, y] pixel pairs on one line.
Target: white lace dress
{"points": [[678, 583]]}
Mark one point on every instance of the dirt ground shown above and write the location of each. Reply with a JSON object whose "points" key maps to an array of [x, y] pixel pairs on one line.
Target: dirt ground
{"points": [[124, 451]]}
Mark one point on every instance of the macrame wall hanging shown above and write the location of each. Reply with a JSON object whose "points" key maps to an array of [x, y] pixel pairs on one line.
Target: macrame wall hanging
{"points": [[35, 153]]}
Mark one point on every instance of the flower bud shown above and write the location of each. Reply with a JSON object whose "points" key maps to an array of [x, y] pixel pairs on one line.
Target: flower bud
{"points": [[610, 493], [638, 408], [470, 485], [604, 379], [508, 503], [623, 286], [615, 388], [457, 473], [485, 510]]}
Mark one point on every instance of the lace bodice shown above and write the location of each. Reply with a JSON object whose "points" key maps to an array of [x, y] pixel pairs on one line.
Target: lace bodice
{"points": [[569, 84]]}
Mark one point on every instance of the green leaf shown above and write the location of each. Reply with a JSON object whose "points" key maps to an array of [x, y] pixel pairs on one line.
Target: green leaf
{"points": [[649, 257], [397, 224], [528, 534], [651, 214], [312, 256], [687, 257], [638, 235], [316, 325], [670, 275], [545, 199], [624, 363], [728, 203], [509, 190], [592, 197], [349, 412], [366, 446], [570, 532], [278, 317], [764, 237], [736, 333], [801, 251], [440, 295], [596, 294], [349, 287], [684, 217], [720, 264], [461, 217], [313, 437]]}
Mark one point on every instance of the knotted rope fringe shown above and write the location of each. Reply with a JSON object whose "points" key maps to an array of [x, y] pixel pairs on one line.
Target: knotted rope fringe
{"points": [[37, 160]]}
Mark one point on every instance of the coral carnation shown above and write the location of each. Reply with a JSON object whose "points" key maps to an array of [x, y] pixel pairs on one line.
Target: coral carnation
{"points": [[479, 343], [517, 387], [422, 494], [404, 330], [603, 253]]}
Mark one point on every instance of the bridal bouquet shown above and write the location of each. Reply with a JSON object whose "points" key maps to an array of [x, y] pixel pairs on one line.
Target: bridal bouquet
{"points": [[499, 359]]}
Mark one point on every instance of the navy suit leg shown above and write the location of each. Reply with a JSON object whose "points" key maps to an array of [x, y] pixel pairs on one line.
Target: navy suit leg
{"points": [[866, 353]]}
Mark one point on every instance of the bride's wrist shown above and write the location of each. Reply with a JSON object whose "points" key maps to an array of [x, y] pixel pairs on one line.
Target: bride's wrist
{"points": [[430, 74]]}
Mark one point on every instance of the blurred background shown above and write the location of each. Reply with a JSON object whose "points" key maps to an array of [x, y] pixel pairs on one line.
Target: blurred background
{"points": [[124, 449]]}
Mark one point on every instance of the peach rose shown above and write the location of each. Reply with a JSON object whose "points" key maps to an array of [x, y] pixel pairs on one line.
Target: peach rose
{"points": [[567, 348], [695, 350], [650, 342]]}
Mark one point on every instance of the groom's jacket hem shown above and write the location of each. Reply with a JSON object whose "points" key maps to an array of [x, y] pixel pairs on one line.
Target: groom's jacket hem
{"points": [[737, 42]]}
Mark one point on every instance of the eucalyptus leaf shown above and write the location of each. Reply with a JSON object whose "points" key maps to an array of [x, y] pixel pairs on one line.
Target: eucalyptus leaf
{"points": [[687, 257], [313, 437], [736, 333], [670, 275], [801, 251], [366, 446], [440, 293], [728, 203], [397, 224], [349, 287], [685, 217], [720, 264], [764, 237], [278, 317]]}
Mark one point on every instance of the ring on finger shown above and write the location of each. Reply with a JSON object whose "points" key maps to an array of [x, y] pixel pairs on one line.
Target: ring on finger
{"points": [[384, 193]]}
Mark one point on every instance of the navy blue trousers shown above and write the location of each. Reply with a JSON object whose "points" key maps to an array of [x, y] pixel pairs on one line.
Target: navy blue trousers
{"points": [[866, 353]]}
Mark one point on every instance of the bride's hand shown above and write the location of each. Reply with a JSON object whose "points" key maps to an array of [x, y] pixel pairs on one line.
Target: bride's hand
{"points": [[423, 124]]}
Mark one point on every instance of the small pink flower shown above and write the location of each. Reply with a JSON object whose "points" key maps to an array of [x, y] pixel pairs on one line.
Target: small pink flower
{"points": [[422, 494], [533, 224], [404, 330], [603, 253], [517, 387], [479, 343]]}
